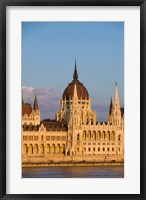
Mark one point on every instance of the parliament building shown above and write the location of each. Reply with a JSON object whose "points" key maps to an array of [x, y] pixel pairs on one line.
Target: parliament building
{"points": [[74, 135]]}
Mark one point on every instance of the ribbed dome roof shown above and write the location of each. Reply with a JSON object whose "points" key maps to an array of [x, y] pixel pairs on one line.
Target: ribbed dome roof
{"points": [[82, 92]]}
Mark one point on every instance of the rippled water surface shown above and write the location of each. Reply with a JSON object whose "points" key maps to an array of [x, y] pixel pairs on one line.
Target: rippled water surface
{"points": [[74, 172]]}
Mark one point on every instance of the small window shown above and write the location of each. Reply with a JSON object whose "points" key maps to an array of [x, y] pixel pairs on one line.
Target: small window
{"points": [[98, 149], [103, 149], [89, 149], [119, 137], [112, 149], [78, 137], [107, 149], [94, 149], [119, 149]]}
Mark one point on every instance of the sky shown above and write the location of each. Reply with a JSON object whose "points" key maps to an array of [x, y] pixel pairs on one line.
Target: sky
{"points": [[49, 50]]}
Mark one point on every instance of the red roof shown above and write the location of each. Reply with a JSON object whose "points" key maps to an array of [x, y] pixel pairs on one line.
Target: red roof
{"points": [[82, 92], [26, 109]]}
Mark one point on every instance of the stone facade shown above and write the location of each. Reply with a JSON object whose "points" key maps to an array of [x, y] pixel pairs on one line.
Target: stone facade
{"points": [[75, 135]]}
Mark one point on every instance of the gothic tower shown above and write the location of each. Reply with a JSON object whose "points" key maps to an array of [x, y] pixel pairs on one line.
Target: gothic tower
{"points": [[36, 110], [30, 115], [115, 111], [76, 95]]}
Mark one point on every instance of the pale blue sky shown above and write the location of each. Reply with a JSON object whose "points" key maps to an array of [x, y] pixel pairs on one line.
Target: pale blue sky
{"points": [[48, 55]]}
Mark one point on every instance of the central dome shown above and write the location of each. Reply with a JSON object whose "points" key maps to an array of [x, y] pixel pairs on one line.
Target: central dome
{"points": [[82, 92]]}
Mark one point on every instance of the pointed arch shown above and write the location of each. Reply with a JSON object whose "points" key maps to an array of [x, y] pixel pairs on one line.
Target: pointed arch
{"points": [[94, 135], [63, 149], [98, 135], [108, 136], [89, 135], [25, 149], [30, 149], [36, 149], [58, 148], [103, 135], [112, 136], [48, 148], [84, 135], [42, 149], [53, 149]]}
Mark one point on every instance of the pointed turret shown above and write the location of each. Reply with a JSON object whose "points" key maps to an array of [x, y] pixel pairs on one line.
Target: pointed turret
{"points": [[116, 111], [111, 106], [35, 105], [75, 75], [22, 99], [116, 98]]}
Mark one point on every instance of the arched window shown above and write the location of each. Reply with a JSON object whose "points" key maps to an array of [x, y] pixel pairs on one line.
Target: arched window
{"points": [[103, 135], [84, 135], [94, 135], [78, 137], [25, 149], [30, 149], [108, 136], [98, 135], [92, 121], [48, 148], [63, 149], [89, 135], [53, 148], [42, 137], [42, 149], [36, 149], [58, 148], [113, 135], [119, 137]]}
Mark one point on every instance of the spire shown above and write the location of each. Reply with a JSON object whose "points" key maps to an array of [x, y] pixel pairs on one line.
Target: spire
{"points": [[35, 105], [116, 98], [22, 99], [116, 91], [75, 75], [111, 106]]}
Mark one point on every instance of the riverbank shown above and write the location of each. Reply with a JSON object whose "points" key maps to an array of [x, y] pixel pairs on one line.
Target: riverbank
{"points": [[61, 164], [73, 172]]}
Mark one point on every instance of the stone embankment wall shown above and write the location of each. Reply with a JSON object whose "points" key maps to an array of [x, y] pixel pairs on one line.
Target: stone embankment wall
{"points": [[28, 161]]}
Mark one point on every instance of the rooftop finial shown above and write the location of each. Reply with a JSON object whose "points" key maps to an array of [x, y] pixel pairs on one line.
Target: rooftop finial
{"points": [[116, 83], [35, 105], [75, 75]]}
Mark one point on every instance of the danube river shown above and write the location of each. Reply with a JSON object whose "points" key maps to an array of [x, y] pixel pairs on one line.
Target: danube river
{"points": [[74, 172]]}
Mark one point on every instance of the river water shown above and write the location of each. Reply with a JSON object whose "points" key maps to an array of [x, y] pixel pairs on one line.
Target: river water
{"points": [[74, 172]]}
